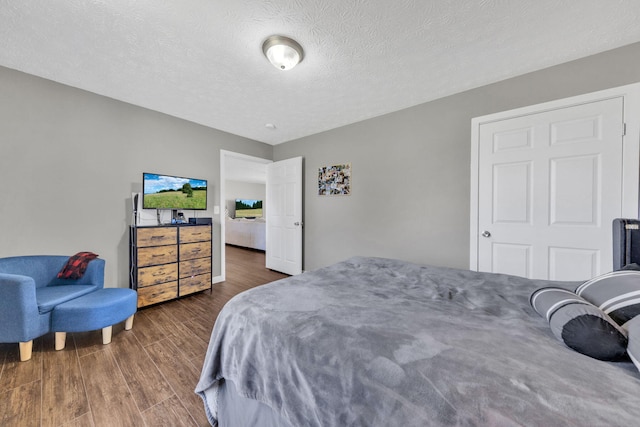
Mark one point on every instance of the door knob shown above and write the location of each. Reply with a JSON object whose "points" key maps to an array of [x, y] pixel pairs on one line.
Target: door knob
{"points": [[486, 234]]}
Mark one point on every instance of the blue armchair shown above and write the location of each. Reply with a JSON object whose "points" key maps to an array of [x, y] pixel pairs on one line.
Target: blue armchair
{"points": [[30, 289]]}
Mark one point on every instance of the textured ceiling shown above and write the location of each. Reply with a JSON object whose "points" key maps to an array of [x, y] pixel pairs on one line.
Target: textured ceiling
{"points": [[201, 60]]}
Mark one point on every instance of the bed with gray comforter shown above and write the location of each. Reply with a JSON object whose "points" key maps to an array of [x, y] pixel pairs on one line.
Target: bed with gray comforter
{"points": [[380, 342]]}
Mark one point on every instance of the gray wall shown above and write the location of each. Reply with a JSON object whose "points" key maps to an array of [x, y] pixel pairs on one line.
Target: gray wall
{"points": [[69, 161], [411, 169], [243, 190]]}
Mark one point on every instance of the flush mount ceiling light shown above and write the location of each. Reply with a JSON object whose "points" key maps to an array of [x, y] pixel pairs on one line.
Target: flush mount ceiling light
{"points": [[284, 53]]}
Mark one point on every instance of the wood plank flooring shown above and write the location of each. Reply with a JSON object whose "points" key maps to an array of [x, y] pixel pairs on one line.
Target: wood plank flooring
{"points": [[145, 377]]}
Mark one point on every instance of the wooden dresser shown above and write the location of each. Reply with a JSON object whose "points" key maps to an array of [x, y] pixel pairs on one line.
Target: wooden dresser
{"points": [[167, 262]]}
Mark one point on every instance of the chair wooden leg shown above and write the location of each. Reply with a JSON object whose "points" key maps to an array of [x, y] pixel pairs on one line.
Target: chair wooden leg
{"points": [[106, 334], [61, 340], [25, 350], [129, 323]]}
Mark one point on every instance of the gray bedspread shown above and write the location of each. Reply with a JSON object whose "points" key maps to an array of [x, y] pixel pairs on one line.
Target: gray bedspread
{"points": [[380, 342]]}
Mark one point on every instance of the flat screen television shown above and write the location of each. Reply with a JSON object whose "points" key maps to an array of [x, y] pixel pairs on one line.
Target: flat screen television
{"points": [[173, 192], [248, 208]]}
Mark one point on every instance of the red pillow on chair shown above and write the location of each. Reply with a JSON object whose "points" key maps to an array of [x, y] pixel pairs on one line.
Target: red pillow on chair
{"points": [[76, 265]]}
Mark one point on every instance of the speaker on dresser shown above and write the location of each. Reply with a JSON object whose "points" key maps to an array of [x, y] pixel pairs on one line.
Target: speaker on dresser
{"points": [[140, 216], [201, 221], [135, 207]]}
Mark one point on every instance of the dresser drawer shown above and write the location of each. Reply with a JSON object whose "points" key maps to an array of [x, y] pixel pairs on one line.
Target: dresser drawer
{"points": [[158, 293], [189, 285], [195, 233], [195, 250], [157, 255], [156, 236], [195, 267], [149, 276]]}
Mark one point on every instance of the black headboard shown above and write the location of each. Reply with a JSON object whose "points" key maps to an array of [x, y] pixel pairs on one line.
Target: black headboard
{"points": [[626, 242]]}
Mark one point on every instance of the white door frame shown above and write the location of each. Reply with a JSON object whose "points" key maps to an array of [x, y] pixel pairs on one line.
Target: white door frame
{"points": [[630, 148], [224, 154]]}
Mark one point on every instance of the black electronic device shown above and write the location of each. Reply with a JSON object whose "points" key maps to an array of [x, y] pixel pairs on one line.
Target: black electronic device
{"points": [[201, 221]]}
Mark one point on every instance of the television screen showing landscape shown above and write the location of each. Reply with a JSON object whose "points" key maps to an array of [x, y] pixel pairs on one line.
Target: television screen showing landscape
{"points": [[248, 208], [173, 192]]}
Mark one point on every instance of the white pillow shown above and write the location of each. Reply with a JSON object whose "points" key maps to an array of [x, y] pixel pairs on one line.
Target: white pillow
{"points": [[633, 347], [616, 293]]}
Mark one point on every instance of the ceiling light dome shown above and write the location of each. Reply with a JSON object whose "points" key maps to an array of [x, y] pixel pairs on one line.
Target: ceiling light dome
{"points": [[284, 53]]}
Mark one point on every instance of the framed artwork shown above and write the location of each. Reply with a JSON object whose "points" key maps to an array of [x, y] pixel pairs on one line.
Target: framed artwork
{"points": [[334, 180]]}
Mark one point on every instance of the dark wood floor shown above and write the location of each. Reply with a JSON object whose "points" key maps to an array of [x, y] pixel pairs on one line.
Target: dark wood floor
{"points": [[145, 377]]}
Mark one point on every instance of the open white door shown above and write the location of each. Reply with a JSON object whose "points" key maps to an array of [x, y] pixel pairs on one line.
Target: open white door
{"points": [[284, 216]]}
